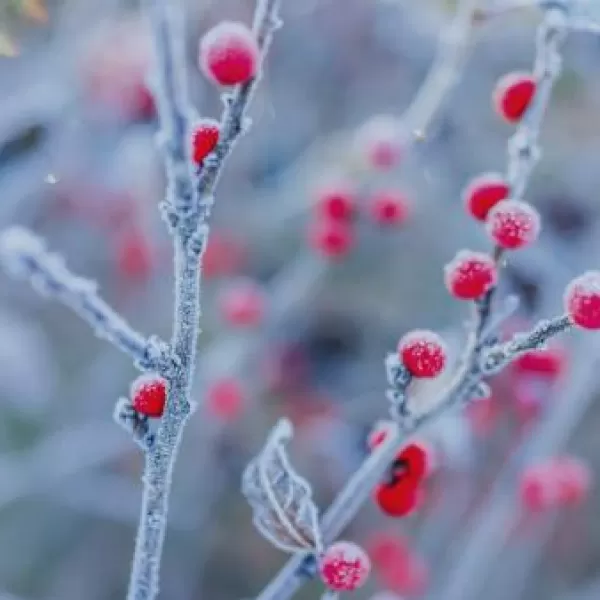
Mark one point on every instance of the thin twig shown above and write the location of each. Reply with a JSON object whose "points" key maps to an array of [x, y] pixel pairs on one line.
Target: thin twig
{"points": [[25, 256]]}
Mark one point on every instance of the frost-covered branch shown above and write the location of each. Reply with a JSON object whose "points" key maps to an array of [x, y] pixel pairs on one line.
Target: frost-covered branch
{"points": [[25, 256]]}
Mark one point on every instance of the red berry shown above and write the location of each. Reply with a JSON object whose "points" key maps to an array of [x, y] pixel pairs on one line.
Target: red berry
{"points": [[538, 487], [398, 499], [414, 459], [513, 94], [409, 578], [545, 361], [331, 238], [470, 274], [483, 193], [582, 300], [387, 550], [423, 353], [222, 256], [149, 395], [135, 259], [389, 207], [344, 566], [243, 304], [513, 224], [574, 480], [225, 399], [380, 141], [229, 54], [336, 201], [205, 138]]}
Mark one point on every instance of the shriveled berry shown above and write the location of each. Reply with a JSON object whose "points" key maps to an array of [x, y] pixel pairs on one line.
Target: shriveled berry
{"points": [[243, 304], [397, 500], [483, 193], [344, 566], [229, 54], [470, 274], [379, 142], [513, 224], [423, 353], [149, 395], [205, 138], [331, 238], [389, 207], [513, 95], [225, 399], [336, 201], [582, 300]]}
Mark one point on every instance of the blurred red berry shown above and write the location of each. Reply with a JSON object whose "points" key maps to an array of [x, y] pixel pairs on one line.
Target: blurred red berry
{"points": [[225, 399], [389, 207], [336, 201], [229, 54], [544, 361], [409, 577], [582, 300], [423, 353], [135, 258], [331, 238], [387, 550], [574, 480], [513, 224], [142, 102], [243, 304], [482, 416], [470, 274], [538, 488], [344, 566], [205, 138], [380, 141], [483, 193], [513, 95], [398, 499], [149, 395]]}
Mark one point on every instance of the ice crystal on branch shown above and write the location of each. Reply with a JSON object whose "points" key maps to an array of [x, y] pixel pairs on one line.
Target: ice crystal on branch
{"points": [[284, 511]]}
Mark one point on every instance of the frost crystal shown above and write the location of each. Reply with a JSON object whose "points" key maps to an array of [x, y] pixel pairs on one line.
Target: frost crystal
{"points": [[284, 512]]}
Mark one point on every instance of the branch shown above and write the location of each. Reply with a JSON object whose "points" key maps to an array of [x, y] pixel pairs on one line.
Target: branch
{"points": [[25, 256]]}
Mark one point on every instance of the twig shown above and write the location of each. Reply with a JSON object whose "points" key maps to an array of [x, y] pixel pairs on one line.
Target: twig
{"points": [[25, 256]]}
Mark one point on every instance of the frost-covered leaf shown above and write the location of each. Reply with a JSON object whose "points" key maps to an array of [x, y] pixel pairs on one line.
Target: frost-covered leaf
{"points": [[281, 500]]}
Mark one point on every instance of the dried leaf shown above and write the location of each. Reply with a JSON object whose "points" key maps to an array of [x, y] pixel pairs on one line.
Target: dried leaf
{"points": [[284, 511]]}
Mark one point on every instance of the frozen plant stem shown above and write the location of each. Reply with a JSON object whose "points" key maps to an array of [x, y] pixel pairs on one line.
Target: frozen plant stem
{"points": [[186, 210]]}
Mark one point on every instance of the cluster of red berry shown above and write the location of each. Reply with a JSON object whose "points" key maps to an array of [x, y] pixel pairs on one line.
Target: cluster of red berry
{"points": [[337, 205]]}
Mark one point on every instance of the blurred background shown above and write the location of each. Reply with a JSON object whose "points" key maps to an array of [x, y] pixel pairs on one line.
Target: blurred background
{"points": [[288, 329]]}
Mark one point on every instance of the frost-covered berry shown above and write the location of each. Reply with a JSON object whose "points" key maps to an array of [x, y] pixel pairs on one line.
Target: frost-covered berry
{"points": [[379, 142], [229, 54], [483, 193], [205, 138], [330, 238], [344, 566], [336, 201], [423, 353], [225, 399], [513, 224], [149, 395], [399, 499], [582, 300], [243, 304], [389, 207], [513, 95], [470, 274]]}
